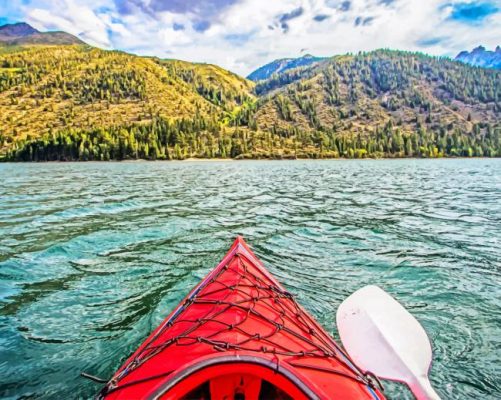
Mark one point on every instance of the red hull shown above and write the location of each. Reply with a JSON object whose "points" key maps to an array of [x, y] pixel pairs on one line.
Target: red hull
{"points": [[239, 333]]}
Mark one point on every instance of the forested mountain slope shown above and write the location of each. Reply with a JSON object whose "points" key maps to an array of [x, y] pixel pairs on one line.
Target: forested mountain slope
{"points": [[76, 102], [378, 94]]}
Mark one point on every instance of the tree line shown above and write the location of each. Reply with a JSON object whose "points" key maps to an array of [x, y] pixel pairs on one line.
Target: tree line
{"points": [[201, 138]]}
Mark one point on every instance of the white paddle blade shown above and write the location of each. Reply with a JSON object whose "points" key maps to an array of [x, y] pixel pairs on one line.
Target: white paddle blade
{"points": [[382, 337]]}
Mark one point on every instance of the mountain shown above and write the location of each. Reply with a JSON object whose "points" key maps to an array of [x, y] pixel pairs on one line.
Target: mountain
{"points": [[282, 65], [24, 34], [481, 57], [20, 29], [46, 91], [83, 103], [385, 102]]}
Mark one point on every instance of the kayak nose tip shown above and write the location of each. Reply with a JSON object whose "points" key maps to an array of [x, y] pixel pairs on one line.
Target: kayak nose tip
{"points": [[239, 240]]}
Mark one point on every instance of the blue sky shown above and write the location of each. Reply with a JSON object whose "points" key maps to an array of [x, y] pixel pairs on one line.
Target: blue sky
{"points": [[243, 34]]}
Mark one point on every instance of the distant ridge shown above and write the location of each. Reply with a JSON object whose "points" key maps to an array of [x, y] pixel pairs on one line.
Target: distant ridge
{"points": [[282, 65], [20, 29], [480, 57], [22, 33]]}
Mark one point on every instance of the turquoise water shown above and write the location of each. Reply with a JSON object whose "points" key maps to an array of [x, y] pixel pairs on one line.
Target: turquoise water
{"points": [[94, 255]]}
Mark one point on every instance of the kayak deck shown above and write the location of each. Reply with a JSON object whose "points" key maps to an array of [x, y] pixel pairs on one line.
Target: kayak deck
{"points": [[239, 335]]}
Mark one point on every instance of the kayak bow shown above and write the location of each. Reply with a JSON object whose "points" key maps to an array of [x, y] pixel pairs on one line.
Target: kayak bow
{"points": [[239, 335]]}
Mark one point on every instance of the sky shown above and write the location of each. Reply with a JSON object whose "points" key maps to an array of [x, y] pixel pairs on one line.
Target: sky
{"points": [[241, 35]]}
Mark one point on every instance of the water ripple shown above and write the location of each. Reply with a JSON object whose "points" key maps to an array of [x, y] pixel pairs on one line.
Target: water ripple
{"points": [[94, 255]]}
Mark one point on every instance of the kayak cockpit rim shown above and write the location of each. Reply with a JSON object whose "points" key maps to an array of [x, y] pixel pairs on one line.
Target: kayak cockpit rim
{"points": [[261, 365]]}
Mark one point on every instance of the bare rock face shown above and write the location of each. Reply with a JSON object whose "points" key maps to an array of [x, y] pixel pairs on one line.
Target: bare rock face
{"points": [[481, 57]]}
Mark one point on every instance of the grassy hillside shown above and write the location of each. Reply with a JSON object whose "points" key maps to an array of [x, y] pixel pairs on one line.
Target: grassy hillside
{"points": [[50, 89], [78, 102]]}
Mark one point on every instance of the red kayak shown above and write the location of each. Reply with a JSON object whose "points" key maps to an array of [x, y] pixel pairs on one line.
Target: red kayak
{"points": [[239, 335]]}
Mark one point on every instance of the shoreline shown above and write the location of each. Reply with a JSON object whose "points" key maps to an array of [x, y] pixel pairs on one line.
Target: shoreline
{"points": [[225, 160]]}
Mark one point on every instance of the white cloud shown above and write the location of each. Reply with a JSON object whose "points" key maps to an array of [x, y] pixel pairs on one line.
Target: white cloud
{"points": [[69, 16], [239, 37]]}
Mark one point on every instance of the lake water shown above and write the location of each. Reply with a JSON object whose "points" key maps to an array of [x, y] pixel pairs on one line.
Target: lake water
{"points": [[94, 255]]}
